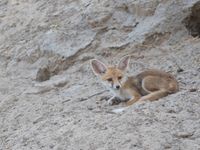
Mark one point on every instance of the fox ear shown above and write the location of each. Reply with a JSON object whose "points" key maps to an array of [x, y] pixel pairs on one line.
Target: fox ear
{"points": [[124, 62], [98, 67]]}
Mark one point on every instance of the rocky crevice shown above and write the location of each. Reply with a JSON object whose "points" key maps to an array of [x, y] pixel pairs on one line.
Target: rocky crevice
{"points": [[192, 21]]}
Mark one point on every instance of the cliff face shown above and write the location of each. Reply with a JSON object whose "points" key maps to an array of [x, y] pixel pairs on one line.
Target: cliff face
{"points": [[49, 97]]}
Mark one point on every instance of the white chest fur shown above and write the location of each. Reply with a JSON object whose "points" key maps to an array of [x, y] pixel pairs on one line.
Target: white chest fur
{"points": [[122, 94]]}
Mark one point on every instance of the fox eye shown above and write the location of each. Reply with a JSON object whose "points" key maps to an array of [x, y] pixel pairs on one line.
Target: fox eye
{"points": [[119, 78], [109, 79]]}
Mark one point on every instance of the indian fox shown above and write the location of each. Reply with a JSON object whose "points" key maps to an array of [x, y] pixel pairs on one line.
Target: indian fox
{"points": [[147, 85]]}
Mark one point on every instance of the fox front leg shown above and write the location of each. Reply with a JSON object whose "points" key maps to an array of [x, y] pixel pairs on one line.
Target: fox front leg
{"points": [[135, 98]]}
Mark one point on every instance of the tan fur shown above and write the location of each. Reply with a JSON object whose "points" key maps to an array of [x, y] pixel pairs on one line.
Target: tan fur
{"points": [[151, 85], [147, 85]]}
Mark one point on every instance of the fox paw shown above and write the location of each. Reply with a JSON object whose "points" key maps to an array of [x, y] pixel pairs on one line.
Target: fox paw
{"points": [[114, 101], [110, 102]]}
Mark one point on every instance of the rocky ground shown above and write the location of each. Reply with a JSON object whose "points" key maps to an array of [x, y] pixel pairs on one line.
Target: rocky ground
{"points": [[49, 96]]}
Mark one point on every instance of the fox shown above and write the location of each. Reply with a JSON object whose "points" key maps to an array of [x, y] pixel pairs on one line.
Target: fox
{"points": [[150, 84]]}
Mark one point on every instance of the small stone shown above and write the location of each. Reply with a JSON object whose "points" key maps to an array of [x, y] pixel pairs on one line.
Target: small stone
{"points": [[193, 90], [180, 70], [43, 74], [183, 135], [90, 108]]}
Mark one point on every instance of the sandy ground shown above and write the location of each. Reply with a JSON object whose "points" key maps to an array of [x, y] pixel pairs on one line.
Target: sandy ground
{"points": [[69, 111]]}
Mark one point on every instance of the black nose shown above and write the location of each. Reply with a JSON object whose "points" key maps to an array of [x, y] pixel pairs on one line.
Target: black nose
{"points": [[117, 87]]}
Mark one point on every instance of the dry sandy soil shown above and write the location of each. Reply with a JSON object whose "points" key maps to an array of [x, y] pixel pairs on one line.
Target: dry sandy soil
{"points": [[49, 96]]}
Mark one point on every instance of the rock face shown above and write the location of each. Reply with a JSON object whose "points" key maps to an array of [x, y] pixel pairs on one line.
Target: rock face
{"points": [[49, 97]]}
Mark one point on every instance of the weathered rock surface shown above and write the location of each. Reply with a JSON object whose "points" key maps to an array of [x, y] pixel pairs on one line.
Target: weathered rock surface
{"points": [[49, 97]]}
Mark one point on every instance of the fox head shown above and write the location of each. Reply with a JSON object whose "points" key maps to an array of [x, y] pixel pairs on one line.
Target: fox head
{"points": [[113, 76]]}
